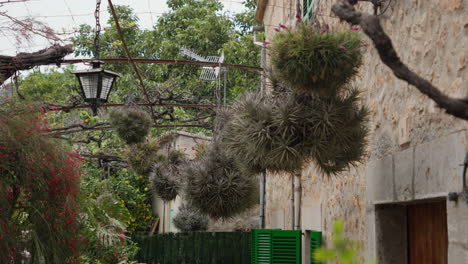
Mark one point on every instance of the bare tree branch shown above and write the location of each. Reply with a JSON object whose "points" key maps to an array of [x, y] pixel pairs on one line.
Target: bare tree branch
{"points": [[68, 130], [382, 42], [25, 61]]}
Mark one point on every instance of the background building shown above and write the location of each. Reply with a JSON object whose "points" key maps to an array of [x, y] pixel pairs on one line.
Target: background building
{"points": [[395, 202]]}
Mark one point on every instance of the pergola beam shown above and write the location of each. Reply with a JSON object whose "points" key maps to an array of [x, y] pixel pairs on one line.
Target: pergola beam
{"points": [[110, 128], [52, 107], [161, 61]]}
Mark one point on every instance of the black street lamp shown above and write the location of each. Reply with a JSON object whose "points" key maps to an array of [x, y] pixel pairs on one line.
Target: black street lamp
{"points": [[96, 84]]}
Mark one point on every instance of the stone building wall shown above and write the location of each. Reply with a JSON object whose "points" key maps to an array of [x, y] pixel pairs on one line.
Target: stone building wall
{"points": [[415, 149]]}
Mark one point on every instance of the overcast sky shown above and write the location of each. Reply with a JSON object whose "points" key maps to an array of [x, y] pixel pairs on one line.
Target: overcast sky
{"points": [[66, 15]]}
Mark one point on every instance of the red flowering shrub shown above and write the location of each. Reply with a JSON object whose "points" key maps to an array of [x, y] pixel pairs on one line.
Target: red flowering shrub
{"points": [[39, 183]]}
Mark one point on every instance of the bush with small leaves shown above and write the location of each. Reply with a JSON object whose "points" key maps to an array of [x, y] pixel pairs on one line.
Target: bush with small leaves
{"points": [[131, 124], [310, 60], [189, 219], [217, 187]]}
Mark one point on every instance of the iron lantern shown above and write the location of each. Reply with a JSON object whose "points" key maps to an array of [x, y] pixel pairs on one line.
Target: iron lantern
{"points": [[96, 84]]}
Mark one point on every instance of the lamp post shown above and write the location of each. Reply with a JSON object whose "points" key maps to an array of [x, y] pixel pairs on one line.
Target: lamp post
{"points": [[96, 84]]}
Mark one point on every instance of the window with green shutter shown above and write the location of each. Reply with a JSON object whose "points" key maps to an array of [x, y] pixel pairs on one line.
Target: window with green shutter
{"points": [[315, 243], [273, 246], [307, 9]]}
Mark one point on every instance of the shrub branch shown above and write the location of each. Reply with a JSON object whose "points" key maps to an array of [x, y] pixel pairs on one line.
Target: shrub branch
{"points": [[382, 42]]}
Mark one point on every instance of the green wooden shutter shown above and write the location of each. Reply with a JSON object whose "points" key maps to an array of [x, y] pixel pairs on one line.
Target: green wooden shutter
{"points": [[307, 9], [261, 246], [315, 243], [272, 246], [286, 246]]}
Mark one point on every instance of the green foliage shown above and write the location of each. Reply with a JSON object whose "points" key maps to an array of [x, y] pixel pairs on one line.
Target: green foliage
{"points": [[39, 183], [134, 192], [200, 149], [217, 187], [131, 124], [189, 219], [195, 24], [342, 250], [310, 60], [126, 187], [165, 179], [51, 85], [104, 226], [141, 157]]}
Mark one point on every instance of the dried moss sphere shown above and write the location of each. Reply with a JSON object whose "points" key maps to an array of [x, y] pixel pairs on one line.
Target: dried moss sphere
{"points": [[189, 219], [309, 60], [258, 134], [337, 129], [132, 125], [217, 187], [141, 157], [165, 179], [282, 134]]}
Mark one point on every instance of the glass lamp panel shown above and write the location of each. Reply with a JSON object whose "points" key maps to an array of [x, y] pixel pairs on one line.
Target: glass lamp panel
{"points": [[106, 85], [89, 83]]}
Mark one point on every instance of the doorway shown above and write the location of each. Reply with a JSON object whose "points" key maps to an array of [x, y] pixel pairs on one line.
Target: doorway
{"points": [[427, 233], [412, 233]]}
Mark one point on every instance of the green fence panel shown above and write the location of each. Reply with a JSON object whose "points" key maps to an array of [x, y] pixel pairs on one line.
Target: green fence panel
{"points": [[194, 248]]}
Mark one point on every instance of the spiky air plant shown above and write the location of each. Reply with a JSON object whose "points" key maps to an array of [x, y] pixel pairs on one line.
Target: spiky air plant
{"points": [[189, 219], [217, 187], [258, 134], [246, 137], [166, 138], [310, 60], [141, 157], [281, 134], [165, 179], [337, 129], [132, 124]]}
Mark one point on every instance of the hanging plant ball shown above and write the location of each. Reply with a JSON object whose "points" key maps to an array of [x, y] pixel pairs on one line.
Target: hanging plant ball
{"points": [[337, 127], [141, 157], [189, 219], [166, 138], [165, 179], [281, 134], [314, 61], [258, 138], [132, 124], [223, 117], [217, 187]]}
